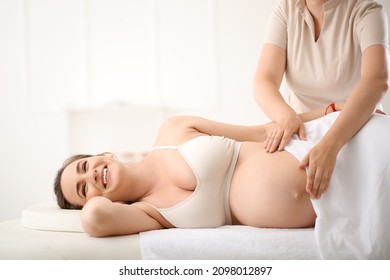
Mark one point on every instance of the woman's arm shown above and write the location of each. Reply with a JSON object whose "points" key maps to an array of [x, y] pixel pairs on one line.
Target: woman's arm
{"points": [[365, 96], [176, 130], [357, 110], [101, 217], [266, 84], [267, 81], [320, 112]]}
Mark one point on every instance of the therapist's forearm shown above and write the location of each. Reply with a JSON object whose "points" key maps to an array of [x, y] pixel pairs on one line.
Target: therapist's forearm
{"points": [[357, 110], [271, 101], [268, 77], [320, 112], [365, 96]]}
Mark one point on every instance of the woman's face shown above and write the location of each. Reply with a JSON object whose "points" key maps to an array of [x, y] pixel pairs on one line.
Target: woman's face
{"points": [[93, 176]]}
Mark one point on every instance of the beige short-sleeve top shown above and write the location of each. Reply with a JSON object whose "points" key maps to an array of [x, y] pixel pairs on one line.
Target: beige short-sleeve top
{"points": [[325, 70]]}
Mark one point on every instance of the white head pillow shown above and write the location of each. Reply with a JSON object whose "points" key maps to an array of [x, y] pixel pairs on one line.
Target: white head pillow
{"points": [[48, 216]]}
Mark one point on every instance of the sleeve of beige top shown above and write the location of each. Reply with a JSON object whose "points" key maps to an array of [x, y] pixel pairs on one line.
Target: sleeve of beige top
{"points": [[276, 32], [371, 25]]}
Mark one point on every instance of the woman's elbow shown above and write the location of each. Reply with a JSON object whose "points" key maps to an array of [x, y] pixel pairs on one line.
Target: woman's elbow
{"points": [[94, 217], [379, 86], [385, 80], [386, 85], [383, 86]]}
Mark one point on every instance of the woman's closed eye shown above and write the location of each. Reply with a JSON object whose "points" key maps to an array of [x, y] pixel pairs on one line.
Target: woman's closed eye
{"points": [[84, 166], [84, 190]]}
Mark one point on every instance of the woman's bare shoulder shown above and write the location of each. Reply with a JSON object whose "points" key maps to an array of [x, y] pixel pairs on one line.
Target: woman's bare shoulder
{"points": [[176, 130]]}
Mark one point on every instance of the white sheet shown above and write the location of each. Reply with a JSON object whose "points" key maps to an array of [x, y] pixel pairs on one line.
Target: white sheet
{"points": [[353, 215], [229, 242]]}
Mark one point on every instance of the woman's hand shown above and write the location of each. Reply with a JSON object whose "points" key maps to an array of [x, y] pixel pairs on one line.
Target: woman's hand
{"points": [[279, 133], [321, 161]]}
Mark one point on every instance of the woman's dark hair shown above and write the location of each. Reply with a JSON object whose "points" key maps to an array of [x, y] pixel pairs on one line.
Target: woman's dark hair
{"points": [[61, 201]]}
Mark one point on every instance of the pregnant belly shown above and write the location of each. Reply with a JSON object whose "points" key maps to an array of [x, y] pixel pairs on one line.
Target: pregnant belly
{"points": [[268, 190]]}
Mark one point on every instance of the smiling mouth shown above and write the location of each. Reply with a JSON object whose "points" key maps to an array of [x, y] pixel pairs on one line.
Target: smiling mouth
{"points": [[104, 177]]}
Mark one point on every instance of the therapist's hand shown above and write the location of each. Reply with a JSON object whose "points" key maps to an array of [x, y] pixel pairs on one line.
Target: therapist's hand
{"points": [[320, 161], [281, 132]]}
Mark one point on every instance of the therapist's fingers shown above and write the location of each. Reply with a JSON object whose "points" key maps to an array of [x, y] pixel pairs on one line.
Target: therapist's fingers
{"points": [[323, 184], [319, 183], [275, 141], [314, 180], [320, 162], [288, 133], [279, 140], [283, 141], [322, 189], [302, 132], [305, 163], [310, 179], [271, 139], [319, 174]]}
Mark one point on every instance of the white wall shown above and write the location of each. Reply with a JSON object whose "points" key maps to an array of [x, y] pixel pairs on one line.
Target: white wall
{"points": [[32, 143], [84, 75]]}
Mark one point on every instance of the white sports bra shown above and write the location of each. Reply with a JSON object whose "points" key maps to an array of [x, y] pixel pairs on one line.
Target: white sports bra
{"points": [[213, 160]]}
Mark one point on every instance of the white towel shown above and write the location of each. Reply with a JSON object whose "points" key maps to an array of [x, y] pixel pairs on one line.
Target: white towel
{"points": [[353, 215], [229, 242]]}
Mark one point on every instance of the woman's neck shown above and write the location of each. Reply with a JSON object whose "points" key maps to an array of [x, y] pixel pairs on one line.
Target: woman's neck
{"points": [[143, 178]]}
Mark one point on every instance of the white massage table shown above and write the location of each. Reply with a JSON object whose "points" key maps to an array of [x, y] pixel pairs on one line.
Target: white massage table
{"points": [[46, 232]]}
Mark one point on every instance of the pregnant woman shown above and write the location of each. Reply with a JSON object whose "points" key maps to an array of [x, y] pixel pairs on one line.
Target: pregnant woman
{"points": [[202, 173]]}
